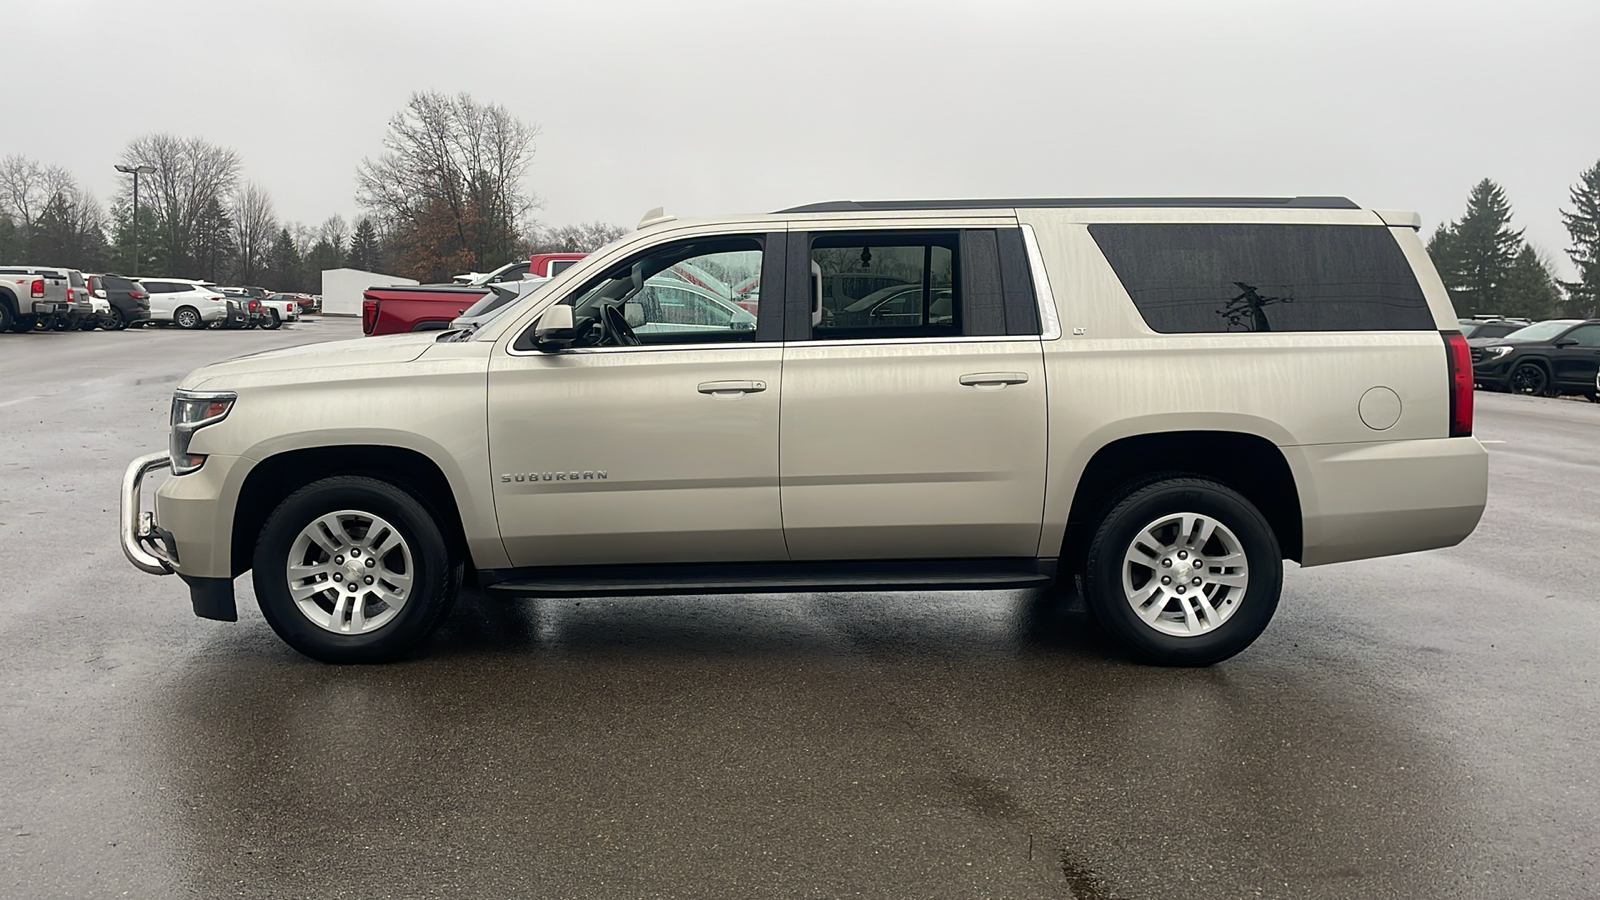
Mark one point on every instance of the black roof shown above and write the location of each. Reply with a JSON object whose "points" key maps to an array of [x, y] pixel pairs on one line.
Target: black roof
{"points": [[1081, 202]]}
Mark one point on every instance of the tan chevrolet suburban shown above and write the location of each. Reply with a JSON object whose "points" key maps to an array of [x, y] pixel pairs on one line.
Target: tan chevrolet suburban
{"points": [[1155, 402]]}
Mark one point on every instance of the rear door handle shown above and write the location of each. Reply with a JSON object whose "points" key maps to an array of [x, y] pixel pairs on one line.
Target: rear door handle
{"points": [[994, 379], [731, 387]]}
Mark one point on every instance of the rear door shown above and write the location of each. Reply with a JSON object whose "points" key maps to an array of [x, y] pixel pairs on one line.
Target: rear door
{"points": [[914, 413]]}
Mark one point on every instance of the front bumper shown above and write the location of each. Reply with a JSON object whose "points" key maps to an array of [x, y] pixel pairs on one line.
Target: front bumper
{"points": [[146, 546], [152, 549]]}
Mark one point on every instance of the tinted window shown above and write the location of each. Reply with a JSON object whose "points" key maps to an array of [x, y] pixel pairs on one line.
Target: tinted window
{"points": [[113, 283], [1496, 329], [75, 278], [1586, 336], [557, 266], [886, 285], [1221, 278]]}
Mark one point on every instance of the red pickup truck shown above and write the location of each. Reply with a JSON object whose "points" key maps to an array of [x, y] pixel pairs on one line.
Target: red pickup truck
{"points": [[431, 307]]}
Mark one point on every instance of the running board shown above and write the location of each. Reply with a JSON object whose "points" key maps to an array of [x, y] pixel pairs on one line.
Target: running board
{"points": [[760, 578]]}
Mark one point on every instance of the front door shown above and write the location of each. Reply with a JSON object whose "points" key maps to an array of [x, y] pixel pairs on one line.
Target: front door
{"points": [[914, 414], [1575, 364], [654, 440]]}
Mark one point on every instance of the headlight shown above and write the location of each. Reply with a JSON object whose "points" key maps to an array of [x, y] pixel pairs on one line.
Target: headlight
{"points": [[192, 411], [1496, 352]]}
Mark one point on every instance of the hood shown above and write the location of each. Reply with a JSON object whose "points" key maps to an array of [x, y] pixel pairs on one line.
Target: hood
{"points": [[297, 363]]}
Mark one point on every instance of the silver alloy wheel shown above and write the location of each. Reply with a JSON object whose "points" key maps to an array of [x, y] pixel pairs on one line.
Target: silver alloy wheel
{"points": [[1184, 574], [188, 318], [349, 572]]}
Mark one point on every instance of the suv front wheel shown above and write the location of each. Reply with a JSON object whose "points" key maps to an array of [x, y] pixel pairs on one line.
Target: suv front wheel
{"points": [[1184, 572], [352, 569]]}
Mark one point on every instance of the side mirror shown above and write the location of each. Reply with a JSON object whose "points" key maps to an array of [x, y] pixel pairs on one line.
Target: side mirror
{"points": [[555, 330], [633, 314]]}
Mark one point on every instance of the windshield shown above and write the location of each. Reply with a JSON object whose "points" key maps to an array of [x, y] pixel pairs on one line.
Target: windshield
{"points": [[1543, 331]]}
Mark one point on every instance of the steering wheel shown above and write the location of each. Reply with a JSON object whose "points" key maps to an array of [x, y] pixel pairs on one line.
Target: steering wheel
{"points": [[618, 329]]}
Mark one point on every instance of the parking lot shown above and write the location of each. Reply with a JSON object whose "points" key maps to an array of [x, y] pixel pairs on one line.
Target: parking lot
{"points": [[1419, 726]]}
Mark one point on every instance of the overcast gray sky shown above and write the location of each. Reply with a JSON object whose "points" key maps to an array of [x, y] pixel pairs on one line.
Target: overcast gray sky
{"points": [[718, 107]]}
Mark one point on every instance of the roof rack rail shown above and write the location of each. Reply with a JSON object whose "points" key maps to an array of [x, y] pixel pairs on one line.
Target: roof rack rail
{"points": [[1079, 202]]}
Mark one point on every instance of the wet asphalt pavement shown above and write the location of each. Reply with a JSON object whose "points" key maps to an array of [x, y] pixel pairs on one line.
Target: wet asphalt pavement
{"points": [[1422, 726]]}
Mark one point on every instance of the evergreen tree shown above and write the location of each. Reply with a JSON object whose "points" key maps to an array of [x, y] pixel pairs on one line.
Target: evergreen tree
{"points": [[364, 246], [1474, 254], [285, 269], [1530, 287], [1583, 223], [11, 249], [323, 256]]}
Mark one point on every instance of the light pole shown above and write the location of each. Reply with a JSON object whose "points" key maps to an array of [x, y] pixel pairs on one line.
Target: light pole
{"points": [[136, 171]]}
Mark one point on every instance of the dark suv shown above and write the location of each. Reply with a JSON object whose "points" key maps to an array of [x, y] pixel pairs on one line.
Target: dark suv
{"points": [[130, 302], [1560, 356]]}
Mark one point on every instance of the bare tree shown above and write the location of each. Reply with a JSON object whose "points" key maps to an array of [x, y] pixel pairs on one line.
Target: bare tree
{"points": [[450, 179], [586, 237], [26, 187], [334, 230], [192, 175], [255, 226]]}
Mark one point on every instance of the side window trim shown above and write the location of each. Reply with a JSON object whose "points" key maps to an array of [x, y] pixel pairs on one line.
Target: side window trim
{"points": [[1050, 318]]}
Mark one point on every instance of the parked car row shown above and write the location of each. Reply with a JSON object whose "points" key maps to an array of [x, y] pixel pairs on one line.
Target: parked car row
{"points": [[55, 299], [1556, 356]]}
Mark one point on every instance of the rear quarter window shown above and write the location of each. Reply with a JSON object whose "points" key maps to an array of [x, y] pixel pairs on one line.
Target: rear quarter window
{"points": [[1211, 278]]}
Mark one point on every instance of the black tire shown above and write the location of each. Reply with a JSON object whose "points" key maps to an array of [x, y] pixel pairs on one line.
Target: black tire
{"points": [[188, 317], [436, 577], [1529, 378], [24, 324], [61, 323], [119, 320], [8, 317], [1149, 502], [88, 323], [272, 322]]}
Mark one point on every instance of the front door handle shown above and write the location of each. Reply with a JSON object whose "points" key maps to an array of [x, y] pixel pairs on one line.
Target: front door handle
{"points": [[728, 388], [993, 379]]}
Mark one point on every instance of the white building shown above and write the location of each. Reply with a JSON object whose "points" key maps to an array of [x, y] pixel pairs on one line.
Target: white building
{"points": [[341, 289]]}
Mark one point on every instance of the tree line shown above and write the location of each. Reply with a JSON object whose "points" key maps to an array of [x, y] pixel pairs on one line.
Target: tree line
{"points": [[447, 196], [1490, 269]]}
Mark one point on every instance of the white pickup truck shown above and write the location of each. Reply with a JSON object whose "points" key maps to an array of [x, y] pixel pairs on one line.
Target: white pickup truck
{"points": [[1155, 402], [33, 296]]}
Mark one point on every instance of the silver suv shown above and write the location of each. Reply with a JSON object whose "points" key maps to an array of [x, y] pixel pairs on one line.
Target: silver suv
{"points": [[1155, 402]]}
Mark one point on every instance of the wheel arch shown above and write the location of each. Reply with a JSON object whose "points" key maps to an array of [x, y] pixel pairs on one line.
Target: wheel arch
{"points": [[1246, 462], [281, 474]]}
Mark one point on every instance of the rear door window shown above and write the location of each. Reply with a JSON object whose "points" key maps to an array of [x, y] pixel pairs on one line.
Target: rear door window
{"points": [[1208, 278], [885, 285]]}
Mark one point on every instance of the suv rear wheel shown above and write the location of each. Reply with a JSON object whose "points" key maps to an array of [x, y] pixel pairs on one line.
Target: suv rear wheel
{"points": [[1183, 571], [187, 317], [352, 569]]}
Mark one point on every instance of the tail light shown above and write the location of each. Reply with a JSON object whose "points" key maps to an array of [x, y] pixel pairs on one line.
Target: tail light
{"points": [[70, 297], [38, 288], [138, 295], [369, 316], [254, 305], [1459, 356]]}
